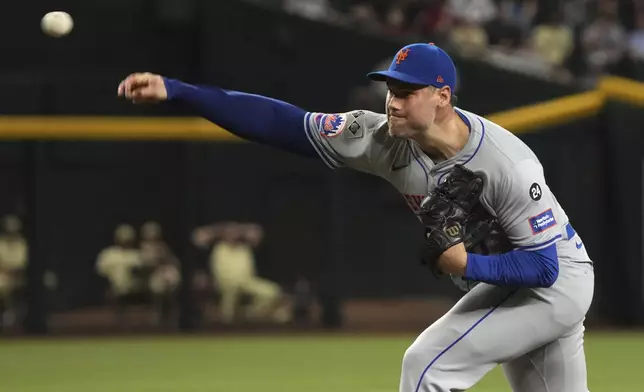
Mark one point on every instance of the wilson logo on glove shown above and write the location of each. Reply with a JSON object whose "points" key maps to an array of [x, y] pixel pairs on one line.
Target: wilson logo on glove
{"points": [[453, 231]]}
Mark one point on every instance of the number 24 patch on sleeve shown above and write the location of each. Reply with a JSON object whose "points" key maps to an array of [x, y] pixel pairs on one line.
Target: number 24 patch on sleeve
{"points": [[542, 222]]}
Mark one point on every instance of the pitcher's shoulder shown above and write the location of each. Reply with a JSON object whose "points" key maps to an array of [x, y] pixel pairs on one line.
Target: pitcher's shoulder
{"points": [[373, 122], [502, 145], [499, 155], [357, 139]]}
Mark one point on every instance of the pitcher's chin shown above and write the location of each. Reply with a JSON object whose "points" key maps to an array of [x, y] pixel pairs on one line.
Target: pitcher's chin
{"points": [[397, 131]]}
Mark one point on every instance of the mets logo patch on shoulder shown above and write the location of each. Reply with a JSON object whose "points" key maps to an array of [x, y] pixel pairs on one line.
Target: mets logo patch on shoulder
{"points": [[332, 125], [542, 222]]}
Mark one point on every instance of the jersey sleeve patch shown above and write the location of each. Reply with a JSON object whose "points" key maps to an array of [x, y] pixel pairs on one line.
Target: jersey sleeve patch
{"points": [[542, 222], [332, 125], [535, 192]]}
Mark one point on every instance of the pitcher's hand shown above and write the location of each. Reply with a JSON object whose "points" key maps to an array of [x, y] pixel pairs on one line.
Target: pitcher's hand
{"points": [[143, 88]]}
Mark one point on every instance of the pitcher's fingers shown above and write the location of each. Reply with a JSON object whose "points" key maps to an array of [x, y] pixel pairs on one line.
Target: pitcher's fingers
{"points": [[135, 81], [121, 89], [139, 79], [140, 94]]}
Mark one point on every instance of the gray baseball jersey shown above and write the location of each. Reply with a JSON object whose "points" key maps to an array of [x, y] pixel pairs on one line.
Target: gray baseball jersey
{"points": [[520, 322]]}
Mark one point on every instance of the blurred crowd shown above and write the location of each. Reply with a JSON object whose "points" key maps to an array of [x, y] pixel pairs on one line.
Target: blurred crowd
{"points": [[13, 263], [143, 275], [146, 271], [561, 40]]}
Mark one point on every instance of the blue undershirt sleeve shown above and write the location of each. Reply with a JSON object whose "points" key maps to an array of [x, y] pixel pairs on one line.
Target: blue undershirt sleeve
{"points": [[537, 268], [252, 117]]}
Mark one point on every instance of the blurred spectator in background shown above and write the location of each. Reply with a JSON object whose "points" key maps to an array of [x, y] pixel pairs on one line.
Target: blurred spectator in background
{"points": [[13, 261], [505, 31], [363, 15], [636, 46], [553, 41], [310, 9], [395, 22], [604, 43], [520, 15], [468, 38], [576, 12], [164, 276], [478, 12], [118, 264], [233, 270], [431, 19]]}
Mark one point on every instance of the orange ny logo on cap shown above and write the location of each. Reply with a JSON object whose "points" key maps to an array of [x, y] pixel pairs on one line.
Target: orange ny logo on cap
{"points": [[402, 55], [440, 79]]}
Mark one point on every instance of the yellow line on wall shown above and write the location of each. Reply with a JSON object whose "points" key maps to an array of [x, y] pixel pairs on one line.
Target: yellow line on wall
{"points": [[95, 127], [624, 90], [564, 110], [557, 111]]}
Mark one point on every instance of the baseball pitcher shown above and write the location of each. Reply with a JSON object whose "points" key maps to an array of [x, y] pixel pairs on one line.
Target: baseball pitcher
{"points": [[491, 221]]}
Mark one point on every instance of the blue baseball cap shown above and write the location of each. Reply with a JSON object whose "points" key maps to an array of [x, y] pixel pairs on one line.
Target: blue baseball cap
{"points": [[424, 64]]}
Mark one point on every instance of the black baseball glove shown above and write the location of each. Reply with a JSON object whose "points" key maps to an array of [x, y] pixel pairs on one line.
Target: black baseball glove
{"points": [[453, 214]]}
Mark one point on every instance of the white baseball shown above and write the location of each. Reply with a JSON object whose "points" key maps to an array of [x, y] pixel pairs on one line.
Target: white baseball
{"points": [[57, 23]]}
